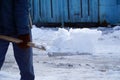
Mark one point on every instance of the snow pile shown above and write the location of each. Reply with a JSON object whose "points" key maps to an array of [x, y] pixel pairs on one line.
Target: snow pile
{"points": [[75, 40], [63, 40], [79, 40]]}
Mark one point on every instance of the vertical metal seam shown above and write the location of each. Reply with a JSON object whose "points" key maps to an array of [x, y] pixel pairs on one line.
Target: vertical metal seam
{"points": [[51, 2], [68, 6], [88, 7], [33, 10], [98, 10], [81, 8], [40, 8]]}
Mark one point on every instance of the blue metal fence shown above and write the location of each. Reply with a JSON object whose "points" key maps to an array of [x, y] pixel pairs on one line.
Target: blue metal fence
{"points": [[60, 11], [65, 10]]}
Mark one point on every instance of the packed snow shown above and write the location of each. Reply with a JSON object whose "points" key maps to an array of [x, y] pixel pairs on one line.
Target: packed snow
{"points": [[71, 54]]}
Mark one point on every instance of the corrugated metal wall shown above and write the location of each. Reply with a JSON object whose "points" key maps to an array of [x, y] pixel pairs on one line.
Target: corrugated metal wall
{"points": [[53, 11], [108, 11], [60, 11]]}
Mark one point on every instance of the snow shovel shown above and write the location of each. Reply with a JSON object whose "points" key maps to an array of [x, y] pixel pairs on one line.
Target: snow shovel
{"points": [[15, 40]]}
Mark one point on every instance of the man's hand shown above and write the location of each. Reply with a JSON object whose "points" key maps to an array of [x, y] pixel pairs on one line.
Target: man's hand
{"points": [[25, 38]]}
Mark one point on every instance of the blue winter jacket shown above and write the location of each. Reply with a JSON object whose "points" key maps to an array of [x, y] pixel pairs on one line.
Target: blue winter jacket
{"points": [[14, 17]]}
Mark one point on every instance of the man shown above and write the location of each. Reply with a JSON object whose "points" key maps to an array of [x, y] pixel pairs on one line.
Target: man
{"points": [[14, 22]]}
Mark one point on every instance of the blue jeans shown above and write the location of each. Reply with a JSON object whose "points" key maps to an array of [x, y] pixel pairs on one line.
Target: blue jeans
{"points": [[23, 57]]}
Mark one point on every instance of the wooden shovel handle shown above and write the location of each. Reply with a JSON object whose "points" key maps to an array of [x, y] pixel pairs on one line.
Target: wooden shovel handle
{"points": [[15, 40], [11, 39]]}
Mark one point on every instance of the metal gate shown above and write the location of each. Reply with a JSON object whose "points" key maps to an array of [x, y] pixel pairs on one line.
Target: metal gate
{"points": [[57, 11]]}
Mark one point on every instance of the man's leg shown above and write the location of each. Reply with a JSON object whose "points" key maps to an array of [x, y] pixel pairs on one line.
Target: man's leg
{"points": [[24, 58], [3, 49]]}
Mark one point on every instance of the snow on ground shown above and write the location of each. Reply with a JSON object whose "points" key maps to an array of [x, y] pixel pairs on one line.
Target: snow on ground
{"points": [[77, 54], [95, 41]]}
